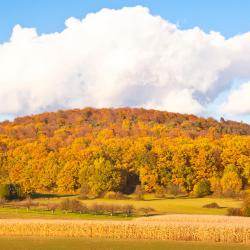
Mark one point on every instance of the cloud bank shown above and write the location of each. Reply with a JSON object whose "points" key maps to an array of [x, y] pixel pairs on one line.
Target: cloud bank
{"points": [[125, 57]]}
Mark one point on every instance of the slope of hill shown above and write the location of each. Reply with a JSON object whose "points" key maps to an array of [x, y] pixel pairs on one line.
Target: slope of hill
{"points": [[122, 122], [101, 150]]}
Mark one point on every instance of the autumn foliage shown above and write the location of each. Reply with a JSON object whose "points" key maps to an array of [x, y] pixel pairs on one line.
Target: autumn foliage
{"points": [[114, 150]]}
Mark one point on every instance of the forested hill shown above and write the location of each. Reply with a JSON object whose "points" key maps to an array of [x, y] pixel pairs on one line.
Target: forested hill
{"points": [[101, 150], [119, 122]]}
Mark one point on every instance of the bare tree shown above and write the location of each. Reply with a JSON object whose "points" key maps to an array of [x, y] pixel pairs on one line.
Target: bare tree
{"points": [[128, 209], [147, 210], [52, 207], [2, 202]]}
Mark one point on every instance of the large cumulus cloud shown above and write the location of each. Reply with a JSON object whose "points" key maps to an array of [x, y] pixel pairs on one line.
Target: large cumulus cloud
{"points": [[123, 57]]}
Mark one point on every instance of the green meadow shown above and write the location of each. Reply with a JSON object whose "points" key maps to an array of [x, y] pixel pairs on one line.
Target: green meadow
{"points": [[180, 205]]}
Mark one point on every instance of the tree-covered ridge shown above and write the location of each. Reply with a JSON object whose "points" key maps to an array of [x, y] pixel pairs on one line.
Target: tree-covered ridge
{"points": [[121, 122], [102, 150]]}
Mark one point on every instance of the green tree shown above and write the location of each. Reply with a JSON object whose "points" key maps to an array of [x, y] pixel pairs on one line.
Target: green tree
{"points": [[5, 191], [101, 177], [202, 188]]}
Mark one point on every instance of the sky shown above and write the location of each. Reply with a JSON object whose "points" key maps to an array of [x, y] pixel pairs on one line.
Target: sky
{"points": [[176, 55]]}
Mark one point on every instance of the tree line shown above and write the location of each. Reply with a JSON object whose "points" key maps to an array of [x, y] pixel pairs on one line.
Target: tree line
{"points": [[98, 151]]}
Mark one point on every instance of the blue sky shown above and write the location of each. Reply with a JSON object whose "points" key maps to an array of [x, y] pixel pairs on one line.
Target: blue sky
{"points": [[228, 17]]}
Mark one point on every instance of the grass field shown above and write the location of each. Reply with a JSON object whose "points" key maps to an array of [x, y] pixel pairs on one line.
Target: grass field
{"points": [[178, 205], [31, 243], [181, 205], [184, 205]]}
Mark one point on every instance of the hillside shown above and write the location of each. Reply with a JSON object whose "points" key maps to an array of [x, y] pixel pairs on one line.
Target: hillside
{"points": [[100, 150], [122, 122]]}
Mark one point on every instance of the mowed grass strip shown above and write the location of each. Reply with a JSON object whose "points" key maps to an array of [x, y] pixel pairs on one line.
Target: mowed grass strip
{"points": [[41, 243], [213, 229]]}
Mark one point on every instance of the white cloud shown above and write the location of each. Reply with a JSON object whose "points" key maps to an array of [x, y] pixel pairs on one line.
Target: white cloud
{"points": [[177, 102], [238, 101], [123, 57]]}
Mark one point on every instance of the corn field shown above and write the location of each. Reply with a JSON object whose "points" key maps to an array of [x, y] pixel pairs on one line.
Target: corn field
{"points": [[168, 227]]}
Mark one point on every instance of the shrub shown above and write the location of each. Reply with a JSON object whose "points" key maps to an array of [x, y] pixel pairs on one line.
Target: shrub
{"points": [[111, 209], [211, 205], [147, 210], [65, 205], [246, 207], [202, 188], [73, 205], [127, 209], [97, 208], [243, 211], [11, 191], [83, 208], [234, 211], [5, 191]]}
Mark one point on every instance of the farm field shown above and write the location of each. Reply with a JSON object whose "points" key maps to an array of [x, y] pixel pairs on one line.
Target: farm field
{"points": [[31, 243], [206, 228]]}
